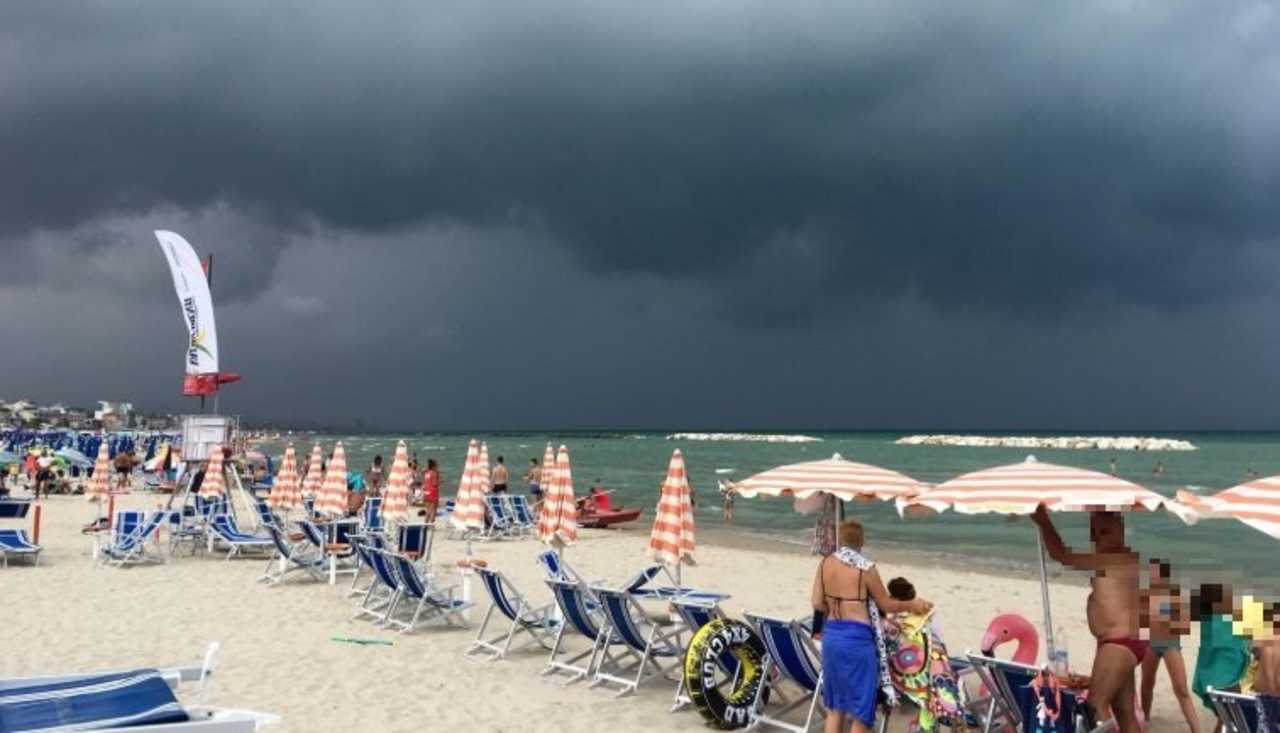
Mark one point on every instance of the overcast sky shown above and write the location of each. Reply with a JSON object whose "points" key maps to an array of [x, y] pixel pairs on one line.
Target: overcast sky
{"points": [[470, 215]]}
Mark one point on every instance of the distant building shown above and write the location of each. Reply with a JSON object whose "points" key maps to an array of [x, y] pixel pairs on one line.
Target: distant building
{"points": [[113, 415]]}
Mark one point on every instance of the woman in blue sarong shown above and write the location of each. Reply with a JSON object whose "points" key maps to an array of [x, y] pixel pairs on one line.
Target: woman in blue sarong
{"points": [[848, 595]]}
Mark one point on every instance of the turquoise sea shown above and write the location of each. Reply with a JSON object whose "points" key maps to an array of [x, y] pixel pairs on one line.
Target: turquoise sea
{"points": [[634, 465]]}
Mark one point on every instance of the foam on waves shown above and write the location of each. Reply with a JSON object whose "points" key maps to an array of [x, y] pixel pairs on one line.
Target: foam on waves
{"points": [[744, 438], [1062, 442]]}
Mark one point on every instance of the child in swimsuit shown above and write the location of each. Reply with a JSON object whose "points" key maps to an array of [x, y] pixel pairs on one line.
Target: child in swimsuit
{"points": [[1167, 616]]}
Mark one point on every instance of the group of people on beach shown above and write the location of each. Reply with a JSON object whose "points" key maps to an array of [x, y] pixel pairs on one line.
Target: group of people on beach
{"points": [[1136, 628]]}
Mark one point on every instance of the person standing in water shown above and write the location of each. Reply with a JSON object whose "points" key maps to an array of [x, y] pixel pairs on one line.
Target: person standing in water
{"points": [[1169, 619], [500, 477], [375, 476], [1112, 610], [533, 477]]}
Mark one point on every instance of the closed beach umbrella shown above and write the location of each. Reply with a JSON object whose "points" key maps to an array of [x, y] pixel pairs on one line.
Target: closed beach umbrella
{"points": [[1256, 503], [559, 527], [333, 493], [213, 485], [468, 505], [546, 479], [314, 480], [836, 476], [1019, 488], [671, 540], [100, 482], [395, 503], [285, 493], [484, 478]]}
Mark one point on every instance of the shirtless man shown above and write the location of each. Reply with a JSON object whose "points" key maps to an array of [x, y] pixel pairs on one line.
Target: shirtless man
{"points": [[1112, 610]]}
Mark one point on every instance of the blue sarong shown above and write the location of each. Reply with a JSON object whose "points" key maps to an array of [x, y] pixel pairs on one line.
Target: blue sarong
{"points": [[850, 669]]}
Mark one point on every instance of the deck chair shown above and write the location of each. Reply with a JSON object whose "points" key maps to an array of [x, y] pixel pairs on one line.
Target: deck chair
{"points": [[380, 598], [647, 648], [429, 601], [1013, 701], [15, 542], [639, 585], [1238, 713], [500, 522], [583, 616], [416, 539], [225, 530], [291, 557], [694, 614], [792, 659], [361, 544], [371, 516], [265, 515], [526, 521], [521, 618], [128, 544], [339, 540], [186, 526]]}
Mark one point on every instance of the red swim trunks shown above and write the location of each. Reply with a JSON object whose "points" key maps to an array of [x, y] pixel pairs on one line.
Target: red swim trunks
{"points": [[1137, 647]]}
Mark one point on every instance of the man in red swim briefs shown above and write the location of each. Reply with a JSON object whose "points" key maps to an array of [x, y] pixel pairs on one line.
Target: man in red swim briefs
{"points": [[1112, 611]]}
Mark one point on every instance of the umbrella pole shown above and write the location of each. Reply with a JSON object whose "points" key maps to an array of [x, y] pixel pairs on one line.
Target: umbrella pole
{"points": [[1050, 645]]}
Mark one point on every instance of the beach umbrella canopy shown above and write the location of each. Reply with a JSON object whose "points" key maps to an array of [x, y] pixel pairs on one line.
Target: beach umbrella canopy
{"points": [[485, 482], [559, 522], [547, 472], [314, 480], [213, 485], [1256, 503], [285, 492], [671, 540], [836, 476], [100, 482], [333, 493], [395, 503], [468, 504]]}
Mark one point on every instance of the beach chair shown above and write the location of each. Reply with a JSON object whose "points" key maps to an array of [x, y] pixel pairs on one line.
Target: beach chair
{"points": [[647, 648], [695, 613], [132, 701], [186, 527], [265, 515], [415, 540], [371, 516], [525, 520], [430, 601], [291, 557], [361, 544], [1238, 713], [309, 506], [129, 537], [499, 523], [380, 598], [581, 614], [334, 546], [522, 618], [15, 542], [792, 660], [225, 530], [1014, 702]]}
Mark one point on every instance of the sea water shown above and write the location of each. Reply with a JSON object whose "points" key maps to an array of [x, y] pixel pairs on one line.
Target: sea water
{"points": [[634, 464]]}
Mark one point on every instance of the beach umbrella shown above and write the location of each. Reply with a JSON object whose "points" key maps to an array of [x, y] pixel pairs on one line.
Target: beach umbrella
{"points": [[314, 480], [333, 493], [213, 485], [100, 482], [468, 504], [841, 478], [485, 482], [395, 502], [1020, 488], [285, 493], [671, 540], [1256, 503], [559, 525], [545, 475]]}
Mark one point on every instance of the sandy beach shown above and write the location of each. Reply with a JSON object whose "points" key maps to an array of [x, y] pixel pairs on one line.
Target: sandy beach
{"points": [[277, 656]]}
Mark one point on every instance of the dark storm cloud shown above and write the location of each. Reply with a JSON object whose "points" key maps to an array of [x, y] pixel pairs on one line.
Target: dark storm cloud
{"points": [[1004, 156]]}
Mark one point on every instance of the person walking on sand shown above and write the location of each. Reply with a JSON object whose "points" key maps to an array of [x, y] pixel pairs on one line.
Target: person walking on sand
{"points": [[499, 476], [1168, 619], [1112, 611], [430, 490], [533, 477], [848, 596], [124, 467]]}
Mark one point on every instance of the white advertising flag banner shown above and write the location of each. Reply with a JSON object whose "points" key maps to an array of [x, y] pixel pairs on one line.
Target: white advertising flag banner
{"points": [[197, 306]]}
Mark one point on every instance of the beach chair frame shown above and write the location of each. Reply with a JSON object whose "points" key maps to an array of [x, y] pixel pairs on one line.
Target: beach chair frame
{"points": [[371, 516], [804, 658], [384, 592], [431, 601], [644, 643], [361, 544], [500, 523], [15, 542], [290, 557], [1003, 706], [522, 619], [525, 520], [1230, 708], [695, 613], [238, 542], [581, 613], [340, 563], [129, 540]]}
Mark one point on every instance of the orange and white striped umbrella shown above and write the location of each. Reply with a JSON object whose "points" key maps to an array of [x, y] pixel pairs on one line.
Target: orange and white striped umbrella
{"points": [[545, 476], [314, 481], [468, 505], [1019, 488], [333, 494], [1256, 503], [395, 502], [485, 482], [841, 478], [214, 484], [285, 493], [100, 482], [671, 541], [560, 518]]}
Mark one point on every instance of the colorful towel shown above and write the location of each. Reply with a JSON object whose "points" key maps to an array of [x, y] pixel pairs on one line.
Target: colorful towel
{"points": [[921, 670]]}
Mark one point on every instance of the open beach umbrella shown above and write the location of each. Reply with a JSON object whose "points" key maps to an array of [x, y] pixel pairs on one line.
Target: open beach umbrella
{"points": [[468, 505], [559, 525], [841, 478], [100, 482], [395, 502], [333, 493], [671, 540], [314, 480], [213, 485], [1256, 503], [1019, 488], [285, 493]]}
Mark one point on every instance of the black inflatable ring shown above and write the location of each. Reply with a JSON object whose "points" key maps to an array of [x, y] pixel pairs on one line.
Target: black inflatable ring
{"points": [[708, 672]]}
